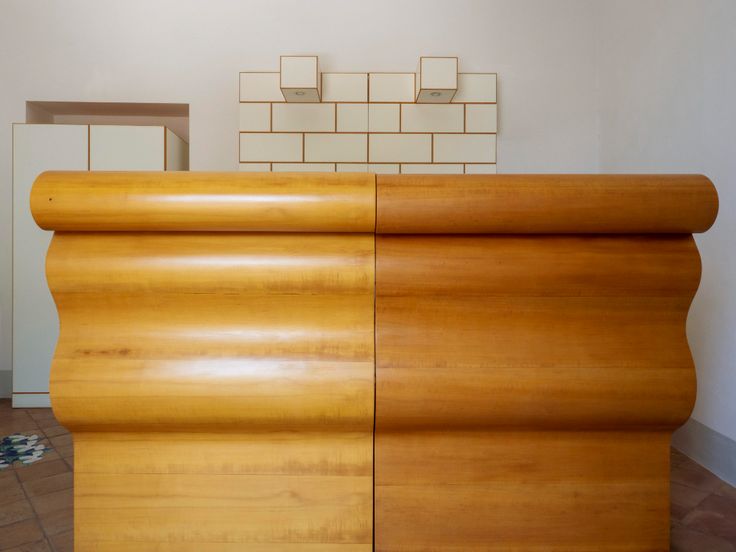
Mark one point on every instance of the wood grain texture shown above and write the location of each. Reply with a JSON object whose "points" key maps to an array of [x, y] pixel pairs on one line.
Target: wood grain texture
{"points": [[232, 345], [544, 204], [510, 371], [190, 201], [219, 387]]}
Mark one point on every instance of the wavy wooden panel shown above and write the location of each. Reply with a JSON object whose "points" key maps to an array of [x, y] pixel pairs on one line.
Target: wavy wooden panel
{"points": [[219, 387], [544, 204], [526, 390]]}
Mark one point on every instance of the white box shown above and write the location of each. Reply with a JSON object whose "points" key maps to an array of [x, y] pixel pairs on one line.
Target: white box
{"points": [[300, 80], [265, 147], [384, 118], [479, 168], [352, 117], [303, 167], [344, 87], [254, 167], [475, 88], [255, 117], [480, 118], [260, 87], [464, 148], [400, 148], [431, 118], [436, 79], [341, 148], [391, 87], [303, 117], [432, 168]]}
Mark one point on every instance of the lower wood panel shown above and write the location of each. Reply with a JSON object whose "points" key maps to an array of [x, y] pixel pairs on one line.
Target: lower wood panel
{"points": [[277, 492], [522, 490]]}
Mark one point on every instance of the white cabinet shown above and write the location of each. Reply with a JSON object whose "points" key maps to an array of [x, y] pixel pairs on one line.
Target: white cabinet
{"points": [[38, 148]]}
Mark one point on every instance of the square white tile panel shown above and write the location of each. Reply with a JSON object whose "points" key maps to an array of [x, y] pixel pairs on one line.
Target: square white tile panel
{"points": [[383, 168], [344, 87], [255, 117], [480, 168], [475, 87], [400, 148], [431, 168], [303, 117], [352, 167], [391, 87], [260, 87], [480, 118], [352, 117], [384, 117], [341, 148], [263, 147], [303, 167], [431, 118], [464, 148], [254, 167]]}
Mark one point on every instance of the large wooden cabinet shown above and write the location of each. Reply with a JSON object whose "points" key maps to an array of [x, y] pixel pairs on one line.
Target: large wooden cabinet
{"points": [[343, 362], [42, 147]]}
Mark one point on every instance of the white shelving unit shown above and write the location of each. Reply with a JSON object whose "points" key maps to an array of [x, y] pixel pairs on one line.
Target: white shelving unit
{"points": [[42, 147]]}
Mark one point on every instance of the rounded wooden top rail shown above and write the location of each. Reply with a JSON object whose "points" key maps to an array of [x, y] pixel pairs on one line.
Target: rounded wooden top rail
{"points": [[192, 201], [545, 204], [386, 204]]}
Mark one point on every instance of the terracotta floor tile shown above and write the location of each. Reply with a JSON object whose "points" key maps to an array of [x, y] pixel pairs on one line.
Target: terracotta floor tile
{"points": [[63, 440], [38, 546], [50, 484], [726, 490], [58, 521], [677, 458], [691, 474], [40, 414], [54, 430], [42, 469], [716, 515], [12, 512], [10, 489], [51, 502], [687, 540], [684, 499], [66, 452], [23, 532], [63, 542]]}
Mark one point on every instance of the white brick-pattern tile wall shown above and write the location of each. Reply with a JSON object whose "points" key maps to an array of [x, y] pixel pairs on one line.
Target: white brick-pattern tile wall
{"points": [[368, 122]]}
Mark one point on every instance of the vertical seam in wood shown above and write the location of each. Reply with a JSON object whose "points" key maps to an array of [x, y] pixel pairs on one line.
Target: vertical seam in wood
{"points": [[375, 344]]}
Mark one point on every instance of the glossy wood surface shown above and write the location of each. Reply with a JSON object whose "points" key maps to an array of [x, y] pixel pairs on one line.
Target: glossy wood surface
{"points": [[191, 201], [546, 204], [509, 370], [219, 387], [248, 362]]}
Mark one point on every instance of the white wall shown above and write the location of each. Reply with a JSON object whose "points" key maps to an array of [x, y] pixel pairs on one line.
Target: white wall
{"points": [[190, 51], [668, 104], [632, 85]]}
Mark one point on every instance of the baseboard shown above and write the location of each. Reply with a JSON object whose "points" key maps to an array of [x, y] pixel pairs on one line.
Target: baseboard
{"points": [[31, 400], [6, 384], [708, 448]]}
